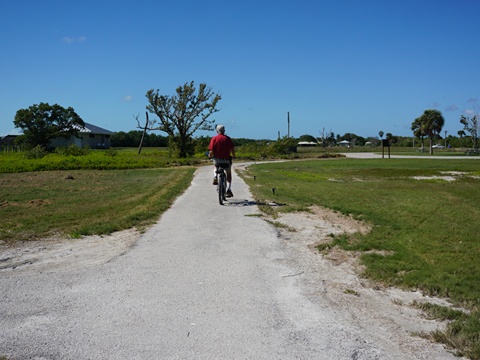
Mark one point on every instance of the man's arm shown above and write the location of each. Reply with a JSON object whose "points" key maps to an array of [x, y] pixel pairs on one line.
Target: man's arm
{"points": [[210, 149]]}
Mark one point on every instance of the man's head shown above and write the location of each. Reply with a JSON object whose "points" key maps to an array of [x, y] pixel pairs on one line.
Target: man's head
{"points": [[220, 129]]}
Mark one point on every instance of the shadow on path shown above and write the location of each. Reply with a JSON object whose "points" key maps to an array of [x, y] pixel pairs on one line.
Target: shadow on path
{"points": [[246, 202]]}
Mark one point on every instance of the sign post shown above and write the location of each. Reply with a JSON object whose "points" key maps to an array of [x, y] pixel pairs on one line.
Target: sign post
{"points": [[386, 143]]}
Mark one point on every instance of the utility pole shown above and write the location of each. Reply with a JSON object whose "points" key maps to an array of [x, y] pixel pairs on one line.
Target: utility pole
{"points": [[288, 119]]}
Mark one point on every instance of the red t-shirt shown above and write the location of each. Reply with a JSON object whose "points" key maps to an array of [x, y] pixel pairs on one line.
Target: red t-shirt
{"points": [[221, 145]]}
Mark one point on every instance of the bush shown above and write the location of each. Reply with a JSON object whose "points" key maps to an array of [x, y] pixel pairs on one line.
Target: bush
{"points": [[72, 150], [282, 146], [37, 152], [111, 152]]}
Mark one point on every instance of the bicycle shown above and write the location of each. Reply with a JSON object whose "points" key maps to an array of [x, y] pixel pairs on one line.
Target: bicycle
{"points": [[222, 182], [221, 177]]}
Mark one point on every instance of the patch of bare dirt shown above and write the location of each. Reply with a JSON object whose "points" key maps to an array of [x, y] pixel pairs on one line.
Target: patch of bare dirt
{"points": [[335, 277], [57, 254]]}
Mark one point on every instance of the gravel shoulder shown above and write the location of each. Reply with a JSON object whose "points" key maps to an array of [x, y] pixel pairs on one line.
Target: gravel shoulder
{"points": [[193, 292]]}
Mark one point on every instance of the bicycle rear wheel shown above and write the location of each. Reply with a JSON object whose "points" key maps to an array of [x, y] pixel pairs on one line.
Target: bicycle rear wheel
{"points": [[221, 189]]}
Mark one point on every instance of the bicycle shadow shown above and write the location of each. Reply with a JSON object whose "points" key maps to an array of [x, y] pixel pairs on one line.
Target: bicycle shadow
{"points": [[246, 202]]}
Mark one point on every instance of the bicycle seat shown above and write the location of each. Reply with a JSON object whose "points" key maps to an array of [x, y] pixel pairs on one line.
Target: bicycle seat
{"points": [[223, 166]]}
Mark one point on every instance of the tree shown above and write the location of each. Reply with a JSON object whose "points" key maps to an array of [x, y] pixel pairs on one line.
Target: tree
{"points": [[145, 128], [429, 124], [391, 139], [418, 129], [434, 124], [326, 137], [307, 138], [461, 134], [353, 138], [331, 139], [380, 133], [43, 122], [182, 114], [134, 137], [472, 125]]}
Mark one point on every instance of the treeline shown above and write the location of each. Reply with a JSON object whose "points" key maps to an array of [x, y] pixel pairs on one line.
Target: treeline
{"points": [[132, 139], [400, 141]]}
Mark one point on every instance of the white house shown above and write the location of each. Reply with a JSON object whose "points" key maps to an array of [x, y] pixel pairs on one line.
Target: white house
{"points": [[344, 143]]}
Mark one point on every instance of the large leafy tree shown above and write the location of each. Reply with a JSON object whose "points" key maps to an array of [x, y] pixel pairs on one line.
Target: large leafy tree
{"points": [[43, 122], [429, 124], [308, 138], [471, 125], [183, 113]]}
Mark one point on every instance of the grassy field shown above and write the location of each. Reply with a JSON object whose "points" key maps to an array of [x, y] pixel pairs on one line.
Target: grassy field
{"points": [[81, 192], [429, 224], [112, 159], [34, 205], [394, 150]]}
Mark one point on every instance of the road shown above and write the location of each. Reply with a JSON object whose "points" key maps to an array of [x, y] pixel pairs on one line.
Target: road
{"points": [[205, 282]]}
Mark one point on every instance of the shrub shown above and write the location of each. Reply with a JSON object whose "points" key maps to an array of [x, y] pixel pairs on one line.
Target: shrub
{"points": [[37, 152], [282, 146], [72, 150], [111, 152]]}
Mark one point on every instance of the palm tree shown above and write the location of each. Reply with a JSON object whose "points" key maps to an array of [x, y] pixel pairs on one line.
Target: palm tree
{"points": [[429, 124], [461, 133], [434, 124], [418, 128]]}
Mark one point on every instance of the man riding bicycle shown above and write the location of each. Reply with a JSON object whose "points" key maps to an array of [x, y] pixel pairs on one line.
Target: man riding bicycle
{"points": [[222, 150]]}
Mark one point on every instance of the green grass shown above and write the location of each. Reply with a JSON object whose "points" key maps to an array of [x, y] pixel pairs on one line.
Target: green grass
{"points": [[84, 202], [112, 159], [430, 226], [314, 152], [462, 331]]}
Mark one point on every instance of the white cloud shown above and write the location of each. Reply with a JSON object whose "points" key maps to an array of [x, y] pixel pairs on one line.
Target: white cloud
{"points": [[73, 39], [67, 40], [128, 98], [452, 107], [469, 111]]}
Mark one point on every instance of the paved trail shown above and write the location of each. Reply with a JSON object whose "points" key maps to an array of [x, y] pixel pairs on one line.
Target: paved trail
{"points": [[206, 282]]}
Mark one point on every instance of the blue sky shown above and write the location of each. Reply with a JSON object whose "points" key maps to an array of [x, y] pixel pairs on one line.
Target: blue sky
{"points": [[356, 66]]}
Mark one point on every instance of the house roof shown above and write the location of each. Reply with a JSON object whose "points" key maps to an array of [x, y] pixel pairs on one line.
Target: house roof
{"points": [[8, 139], [307, 143], [93, 129]]}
